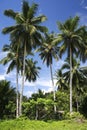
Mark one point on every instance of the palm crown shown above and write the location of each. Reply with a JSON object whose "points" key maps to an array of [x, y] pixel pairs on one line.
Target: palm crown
{"points": [[71, 35], [27, 25]]}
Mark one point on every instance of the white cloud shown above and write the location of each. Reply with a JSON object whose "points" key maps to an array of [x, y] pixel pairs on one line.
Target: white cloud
{"points": [[2, 55], [30, 84], [85, 7], [28, 93], [43, 84], [40, 82], [11, 75], [2, 77]]}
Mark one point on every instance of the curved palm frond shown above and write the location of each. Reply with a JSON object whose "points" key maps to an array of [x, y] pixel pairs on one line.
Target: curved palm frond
{"points": [[10, 13], [31, 70]]}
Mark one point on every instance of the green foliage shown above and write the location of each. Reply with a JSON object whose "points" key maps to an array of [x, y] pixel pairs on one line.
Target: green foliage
{"points": [[43, 108], [41, 125], [83, 106], [74, 115], [62, 101], [39, 94], [7, 100], [48, 51], [27, 33], [29, 109], [22, 118], [10, 110]]}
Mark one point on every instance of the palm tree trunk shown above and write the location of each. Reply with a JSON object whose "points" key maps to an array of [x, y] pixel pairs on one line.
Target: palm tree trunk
{"points": [[17, 101], [54, 96], [70, 80], [23, 76], [36, 116], [77, 104]]}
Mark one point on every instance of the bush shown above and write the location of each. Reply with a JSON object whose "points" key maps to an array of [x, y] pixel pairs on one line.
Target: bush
{"points": [[83, 107], [73, 115], [22, 117]]}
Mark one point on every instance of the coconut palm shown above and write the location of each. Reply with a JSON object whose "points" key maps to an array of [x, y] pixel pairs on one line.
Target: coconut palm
{"points": [[48, 51], [71, 41], [14, 59], [79, 77], [27, 30], [60, 80]]}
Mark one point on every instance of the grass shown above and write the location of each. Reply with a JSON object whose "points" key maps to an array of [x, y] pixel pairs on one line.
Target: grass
{"points": [[41, 125]]}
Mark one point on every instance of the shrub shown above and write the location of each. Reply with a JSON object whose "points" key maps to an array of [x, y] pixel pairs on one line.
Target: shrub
{"points": [[73, 115], [83, 107]]}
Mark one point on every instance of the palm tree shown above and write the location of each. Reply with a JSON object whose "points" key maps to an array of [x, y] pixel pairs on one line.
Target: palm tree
{"points": [[27, 30], [48, 51], [14, 59], [60, 80], [71, 41], [79, 77]]}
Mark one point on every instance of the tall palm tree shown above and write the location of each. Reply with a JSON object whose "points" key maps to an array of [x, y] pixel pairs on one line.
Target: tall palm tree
{"points": [[27, 30], [48, 51], [79, 77], [71, 41], [14, 59]]}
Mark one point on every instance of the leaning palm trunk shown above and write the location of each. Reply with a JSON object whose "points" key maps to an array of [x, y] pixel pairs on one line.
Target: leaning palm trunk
{"points": [[70, 80], [22, 86], [54, 97], [17, 101]]}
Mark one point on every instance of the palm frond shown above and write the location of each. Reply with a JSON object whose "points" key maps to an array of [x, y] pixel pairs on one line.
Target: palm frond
{"points": [[4, 61], [11, 66], [38, 20], [62, 49], [25, 8], [8, 29], [6, 48], [32, 70], [20, 19], [32, 11], [65, 66], [32, 29], [60, 26], [41, 28], [74, 23], [10, 13]]}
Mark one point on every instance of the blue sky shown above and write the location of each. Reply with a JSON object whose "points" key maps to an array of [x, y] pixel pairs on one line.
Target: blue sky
{"points": [[55, 10]]}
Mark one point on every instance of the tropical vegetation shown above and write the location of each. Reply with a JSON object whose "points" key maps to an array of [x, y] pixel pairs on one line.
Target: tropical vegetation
{"points": [[28, 37], [41, 125]]}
